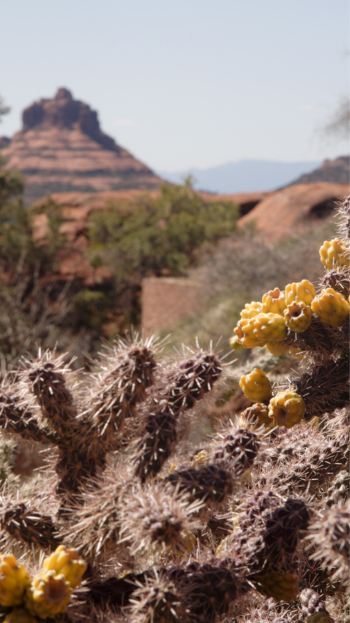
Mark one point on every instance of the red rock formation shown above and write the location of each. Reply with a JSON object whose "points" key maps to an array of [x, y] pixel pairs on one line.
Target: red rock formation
{"points": [[276, 214], [76, 207], [245, 201], [336, 171], [295, 208], [61, 148]]}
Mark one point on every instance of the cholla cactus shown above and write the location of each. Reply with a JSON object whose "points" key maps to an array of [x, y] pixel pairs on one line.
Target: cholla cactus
{"points": [[154, 519], [162, 524], [210, 484], [313, 607], [331, 538], [29, 526], [280, 586], [180, 390], [156, 601], [239, 447], [316, 326]]}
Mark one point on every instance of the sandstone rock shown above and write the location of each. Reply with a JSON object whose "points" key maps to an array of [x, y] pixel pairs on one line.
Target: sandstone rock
{"points": [[336, 171], [167, 300], [245, 201], [4, 141], [295, 208], [62, 148]]}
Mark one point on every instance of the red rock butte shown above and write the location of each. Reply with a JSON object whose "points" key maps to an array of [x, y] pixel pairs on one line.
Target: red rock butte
{"points": [[61, 148]]}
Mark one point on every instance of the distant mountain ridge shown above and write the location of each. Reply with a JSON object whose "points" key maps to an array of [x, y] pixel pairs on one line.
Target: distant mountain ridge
{"points": [[244, 175], [336, 171], [61, 148]]}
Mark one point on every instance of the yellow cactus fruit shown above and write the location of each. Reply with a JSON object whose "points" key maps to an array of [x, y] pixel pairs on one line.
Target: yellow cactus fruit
{"points": [[200, 459], [280, 586], [48, 594], [287, 408], [298, 316], [296, 352], [245, 333], [277, 348], [14, 579], [319, 617], [20, 615], [262, 328], [256, 386], [334, 253], [67, 563], [257, 415], [251, 309], [302, 291], [270, 327], [273, 302], [235, 343], [331, 307]]}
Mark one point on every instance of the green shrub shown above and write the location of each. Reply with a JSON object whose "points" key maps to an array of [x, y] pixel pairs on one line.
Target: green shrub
{"points": [[158, 235]]}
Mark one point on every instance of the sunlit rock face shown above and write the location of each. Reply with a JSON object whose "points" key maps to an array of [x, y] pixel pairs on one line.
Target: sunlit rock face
{"points": [[62, 148]]}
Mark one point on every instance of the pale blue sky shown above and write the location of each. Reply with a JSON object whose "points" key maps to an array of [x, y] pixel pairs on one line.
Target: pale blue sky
{"points": [[185, 83]]}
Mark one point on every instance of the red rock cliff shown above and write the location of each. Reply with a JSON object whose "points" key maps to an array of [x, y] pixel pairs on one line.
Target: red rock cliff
{"points": [[61, 148]]}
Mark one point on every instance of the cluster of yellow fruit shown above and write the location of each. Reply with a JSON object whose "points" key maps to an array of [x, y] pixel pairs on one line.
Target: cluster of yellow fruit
{"points": [[47, 593], [267, 323], [292, 309], [334, 253], [285, 409]]}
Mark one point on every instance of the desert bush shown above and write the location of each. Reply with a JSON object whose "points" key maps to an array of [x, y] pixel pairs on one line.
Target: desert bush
{"points": [[158, 233], [36, 308], [250, 523], [155, 235], [32, 308]]}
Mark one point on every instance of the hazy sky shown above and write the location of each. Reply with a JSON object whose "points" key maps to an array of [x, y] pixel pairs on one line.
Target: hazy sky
{"points": [[184, 83]]}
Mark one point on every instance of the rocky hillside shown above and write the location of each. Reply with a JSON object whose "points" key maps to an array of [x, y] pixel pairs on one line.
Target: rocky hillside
{"points": [[62, 148], [295, 209], [276, 215], [335, 171]]}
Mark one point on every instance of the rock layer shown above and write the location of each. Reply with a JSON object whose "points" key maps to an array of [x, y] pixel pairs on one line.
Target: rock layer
{"points": [[295, 208], [62, 148]]}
